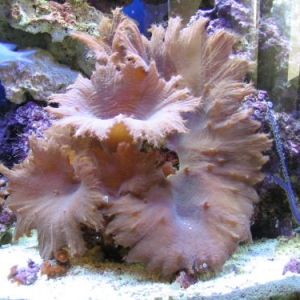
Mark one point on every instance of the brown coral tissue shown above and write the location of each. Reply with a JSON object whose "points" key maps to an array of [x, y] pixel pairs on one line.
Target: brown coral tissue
{"points": [[102, 164], [53, 270]]}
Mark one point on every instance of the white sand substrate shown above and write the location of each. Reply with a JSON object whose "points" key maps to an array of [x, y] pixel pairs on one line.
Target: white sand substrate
{"points": [[254, 272]]}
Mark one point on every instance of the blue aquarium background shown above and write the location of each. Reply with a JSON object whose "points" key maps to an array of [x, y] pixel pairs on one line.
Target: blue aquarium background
{"points": [[147, 14]]}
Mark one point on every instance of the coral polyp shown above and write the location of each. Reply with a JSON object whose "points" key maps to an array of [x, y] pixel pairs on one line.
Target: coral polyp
{"points": [[101, 164]]}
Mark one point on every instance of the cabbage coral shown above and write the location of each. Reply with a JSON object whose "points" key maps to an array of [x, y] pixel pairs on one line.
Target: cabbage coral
{"points": [[181, 90]]}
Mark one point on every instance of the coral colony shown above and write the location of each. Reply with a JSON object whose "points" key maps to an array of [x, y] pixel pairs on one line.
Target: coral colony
{"points": [[102, 163]]}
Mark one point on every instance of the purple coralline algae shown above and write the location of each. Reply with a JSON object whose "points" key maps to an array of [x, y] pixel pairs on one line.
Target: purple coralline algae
{"points": [[7, 217], [236, 16], [292, 266], [272, 215], [25, 275], [288, 126], [232, 14], [16, 125]]}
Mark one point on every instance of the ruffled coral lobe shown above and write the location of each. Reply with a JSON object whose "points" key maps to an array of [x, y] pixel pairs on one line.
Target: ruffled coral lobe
{"points": [[211, 196], [124, 89], [53, 192], [197, 217]]}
